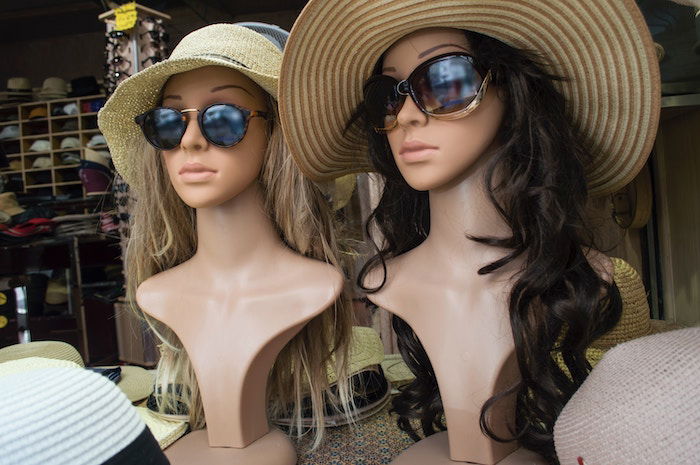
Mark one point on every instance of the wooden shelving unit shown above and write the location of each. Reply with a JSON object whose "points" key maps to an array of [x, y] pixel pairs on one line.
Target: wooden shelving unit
{"points": [[59, 178]]}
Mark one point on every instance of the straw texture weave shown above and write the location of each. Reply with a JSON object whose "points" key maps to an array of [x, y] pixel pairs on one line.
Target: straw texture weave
{"points": [[638, 406], [602, 46], [44, 349]]}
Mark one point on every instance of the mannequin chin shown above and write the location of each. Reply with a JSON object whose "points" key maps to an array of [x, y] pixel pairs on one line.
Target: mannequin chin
{"points": [[453, 147], [227, 171]]}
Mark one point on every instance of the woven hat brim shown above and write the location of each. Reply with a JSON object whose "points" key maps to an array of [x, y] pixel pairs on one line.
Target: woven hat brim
{"points": [[165, 431], [602, 46], [141, 92], [55, 350], [366, 350], [136, 383]]}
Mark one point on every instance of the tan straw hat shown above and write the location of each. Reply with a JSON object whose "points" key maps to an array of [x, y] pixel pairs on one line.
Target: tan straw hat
{"points": [[228, 45], [55, 350], [638, 406], [602, 46], [634, 322]]}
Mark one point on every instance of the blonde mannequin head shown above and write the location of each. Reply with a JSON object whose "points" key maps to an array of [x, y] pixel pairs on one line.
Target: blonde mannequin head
{"points": [[163, 235]]}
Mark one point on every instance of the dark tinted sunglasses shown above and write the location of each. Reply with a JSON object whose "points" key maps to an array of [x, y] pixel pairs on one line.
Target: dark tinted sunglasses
{"points": [[446, 87], [222, 124]]}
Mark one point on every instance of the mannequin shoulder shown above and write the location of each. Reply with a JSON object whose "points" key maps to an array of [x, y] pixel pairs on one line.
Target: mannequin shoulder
{"points": [[156, 293], [391, 283], [312, 276]]}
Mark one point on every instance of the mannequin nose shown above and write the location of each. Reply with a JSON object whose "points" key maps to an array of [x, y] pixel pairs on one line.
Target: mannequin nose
{"points": [[410, 114], [193, 139]]}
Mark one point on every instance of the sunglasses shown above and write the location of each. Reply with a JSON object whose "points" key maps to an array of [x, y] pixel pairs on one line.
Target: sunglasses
{"points": [[222, 124], [445, 87]]}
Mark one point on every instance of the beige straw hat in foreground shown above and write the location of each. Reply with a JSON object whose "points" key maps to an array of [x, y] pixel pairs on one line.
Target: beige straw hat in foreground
{"points": [[602, 46], [228, 45]]}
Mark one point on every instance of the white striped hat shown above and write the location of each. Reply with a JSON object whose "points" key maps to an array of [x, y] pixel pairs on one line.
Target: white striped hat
{"points": [[603, 48], [70, 416]]}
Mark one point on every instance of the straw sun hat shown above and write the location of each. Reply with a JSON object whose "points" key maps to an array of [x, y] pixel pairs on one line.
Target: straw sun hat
{"points": [[229, 45], [602, 46]]}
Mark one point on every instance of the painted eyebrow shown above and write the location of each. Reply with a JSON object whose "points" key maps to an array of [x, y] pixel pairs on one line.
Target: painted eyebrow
{"points": [[426, 52], [215, 89], [432, 49]]}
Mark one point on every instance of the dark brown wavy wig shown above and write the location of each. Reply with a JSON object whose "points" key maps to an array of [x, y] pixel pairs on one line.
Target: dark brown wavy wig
{"points": [[559, 303]]}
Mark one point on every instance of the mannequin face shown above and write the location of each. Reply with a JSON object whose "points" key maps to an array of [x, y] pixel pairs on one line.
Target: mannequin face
{"points": [[452, 147], [224, 172]]}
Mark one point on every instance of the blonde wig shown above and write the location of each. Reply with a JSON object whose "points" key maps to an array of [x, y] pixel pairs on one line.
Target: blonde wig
{"points": [[163, 235]]}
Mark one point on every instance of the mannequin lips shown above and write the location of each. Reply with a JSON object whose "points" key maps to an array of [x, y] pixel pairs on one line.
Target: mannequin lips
{"points": [[193, 172], [415, 150]]}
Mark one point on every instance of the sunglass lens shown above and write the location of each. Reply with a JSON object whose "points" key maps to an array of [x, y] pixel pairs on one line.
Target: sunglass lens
{"points": [[447, 86], [224, 125], [382, 102], [163, 127]]}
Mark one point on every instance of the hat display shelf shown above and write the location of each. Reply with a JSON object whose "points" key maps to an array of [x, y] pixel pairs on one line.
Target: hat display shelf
{"points": [[126, 53], [52, 138]]}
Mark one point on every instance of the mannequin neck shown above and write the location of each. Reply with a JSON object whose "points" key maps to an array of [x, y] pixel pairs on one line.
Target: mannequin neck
{"points": [[462, 208], [238, 231]]}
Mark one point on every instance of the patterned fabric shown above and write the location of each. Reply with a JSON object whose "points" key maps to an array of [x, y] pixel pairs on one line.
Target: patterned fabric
{"points": [[376, 440]]}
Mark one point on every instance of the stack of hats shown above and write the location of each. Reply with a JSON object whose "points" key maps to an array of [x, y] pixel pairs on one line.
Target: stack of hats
{"points": [[17, 225], [9, 132], [77, 224], [135, 383], [19, 90], [70, 108], [40, 145], [95, 171], [53, 88], [72, 157]]}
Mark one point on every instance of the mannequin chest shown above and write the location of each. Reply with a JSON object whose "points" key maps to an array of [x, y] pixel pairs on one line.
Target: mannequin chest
{"points": [[465, 332]]}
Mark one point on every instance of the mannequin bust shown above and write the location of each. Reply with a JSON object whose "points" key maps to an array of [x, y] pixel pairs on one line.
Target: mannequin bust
{"points": [[232, 256], [244, 294], [459, 315]]}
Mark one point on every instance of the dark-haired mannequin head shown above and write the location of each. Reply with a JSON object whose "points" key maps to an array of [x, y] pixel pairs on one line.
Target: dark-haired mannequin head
{"points": [[454, 147], [476, 221]]}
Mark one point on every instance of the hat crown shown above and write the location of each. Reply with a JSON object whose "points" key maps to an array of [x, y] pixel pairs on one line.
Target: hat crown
{"points": [[19, 83], [229, 42], [8, 199], [55, 83]]}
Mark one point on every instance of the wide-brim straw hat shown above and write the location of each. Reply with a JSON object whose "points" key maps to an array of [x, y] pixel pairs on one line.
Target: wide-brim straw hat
{"points": [[227, 45], [602, 47], [635, 321]]}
